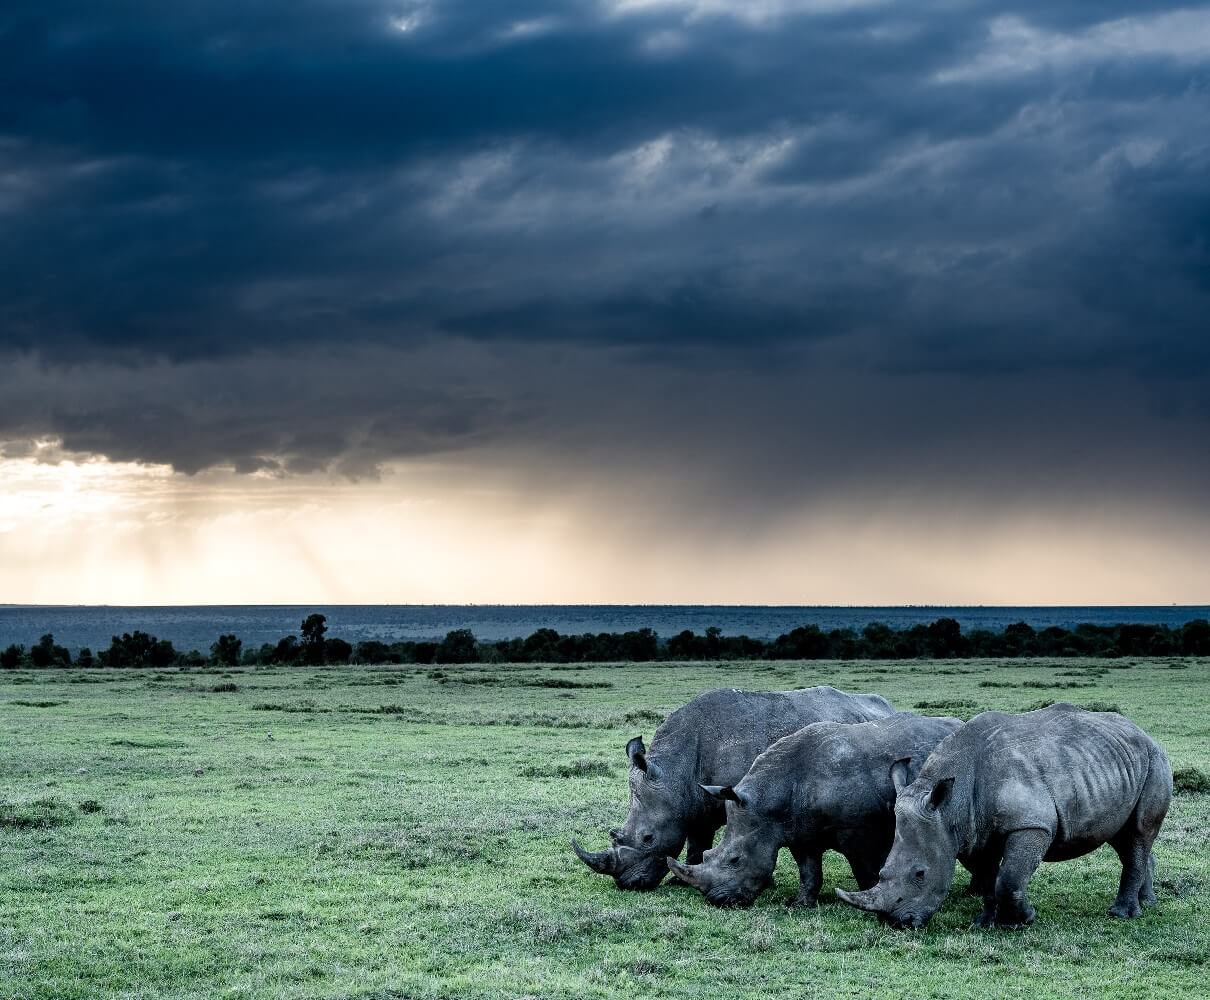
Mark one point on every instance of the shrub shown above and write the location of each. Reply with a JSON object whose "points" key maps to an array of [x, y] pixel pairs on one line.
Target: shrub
{"points": [[138, 649], [458, 646], [226, 650], [337, 651], [47, 654], [1190, 781]]}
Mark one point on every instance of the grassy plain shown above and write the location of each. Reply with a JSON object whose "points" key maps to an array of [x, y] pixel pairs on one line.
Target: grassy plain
{"points": [[403, 832]]}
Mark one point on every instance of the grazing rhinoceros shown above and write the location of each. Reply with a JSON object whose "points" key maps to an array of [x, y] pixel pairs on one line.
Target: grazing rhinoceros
{"points": [[1007, 792], [829, 786], [710, 741]]}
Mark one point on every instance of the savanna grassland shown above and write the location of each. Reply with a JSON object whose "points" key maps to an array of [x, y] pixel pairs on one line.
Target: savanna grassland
{"points": [[402, 832]]}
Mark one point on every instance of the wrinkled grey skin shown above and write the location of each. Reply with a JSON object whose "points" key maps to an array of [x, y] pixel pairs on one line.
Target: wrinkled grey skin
{"points": [[713, 740], [1007, 792], [829, 786]]}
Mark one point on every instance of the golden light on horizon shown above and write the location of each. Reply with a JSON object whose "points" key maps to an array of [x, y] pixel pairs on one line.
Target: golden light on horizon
{"points": [[80, 530]]}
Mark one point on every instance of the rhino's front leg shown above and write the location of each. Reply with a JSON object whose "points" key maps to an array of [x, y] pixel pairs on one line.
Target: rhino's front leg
{"points": [[700, 841], [1023, 852], [983, 885], [810, 875]]}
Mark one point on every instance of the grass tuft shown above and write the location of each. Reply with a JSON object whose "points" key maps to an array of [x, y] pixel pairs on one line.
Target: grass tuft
{"points": [[583, 768], [1190, 781], [39, 814]]}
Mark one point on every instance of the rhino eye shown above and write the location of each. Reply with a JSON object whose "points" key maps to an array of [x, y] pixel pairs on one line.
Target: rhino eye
{"points": [[921, 872], [649, 838]]}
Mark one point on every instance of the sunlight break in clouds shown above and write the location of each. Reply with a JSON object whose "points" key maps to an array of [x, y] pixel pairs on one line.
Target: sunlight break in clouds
{"points": [[91, 531]]}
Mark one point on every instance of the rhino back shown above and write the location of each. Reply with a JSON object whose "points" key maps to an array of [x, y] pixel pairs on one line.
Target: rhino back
{"points": [[1074, 772], [834, 779], [715, 738]]}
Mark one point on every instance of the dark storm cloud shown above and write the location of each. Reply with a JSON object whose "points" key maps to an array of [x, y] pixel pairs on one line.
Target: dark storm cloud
{"points": [[316, 234]]}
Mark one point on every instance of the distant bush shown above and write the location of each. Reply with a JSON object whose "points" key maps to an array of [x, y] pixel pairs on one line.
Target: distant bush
{"points": [[337, 651], [137, 649], [47, 654], [458, 646], [226, 650], [1118, 646], [373, 651], [1190, 781]]}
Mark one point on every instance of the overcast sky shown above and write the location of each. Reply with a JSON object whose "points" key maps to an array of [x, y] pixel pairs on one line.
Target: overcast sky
{"points": [[559, 300]]}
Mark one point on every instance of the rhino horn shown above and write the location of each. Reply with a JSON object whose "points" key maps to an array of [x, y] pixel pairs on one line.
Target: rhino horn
{"points": [[686, 872], [869, 900], [601, 862]]}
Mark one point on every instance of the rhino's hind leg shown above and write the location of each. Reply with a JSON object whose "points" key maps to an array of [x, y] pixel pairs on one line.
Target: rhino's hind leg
{"points": [[1133, 842], [1134, 853], [1147, 890], [1023, 852]]}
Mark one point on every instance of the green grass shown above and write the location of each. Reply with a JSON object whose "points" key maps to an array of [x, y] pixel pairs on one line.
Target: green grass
{"points": [[403, 833]]}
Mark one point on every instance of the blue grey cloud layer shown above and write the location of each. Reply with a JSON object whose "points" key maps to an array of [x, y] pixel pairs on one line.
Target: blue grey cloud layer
{"points": [[292, 233]]}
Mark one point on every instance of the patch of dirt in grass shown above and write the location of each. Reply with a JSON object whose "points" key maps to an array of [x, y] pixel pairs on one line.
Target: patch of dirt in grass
{"points": [[36, 704]]}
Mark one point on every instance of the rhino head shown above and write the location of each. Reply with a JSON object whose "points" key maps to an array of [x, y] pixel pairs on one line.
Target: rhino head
{"points": [[735, 872], [655, 826], [918, 871]]}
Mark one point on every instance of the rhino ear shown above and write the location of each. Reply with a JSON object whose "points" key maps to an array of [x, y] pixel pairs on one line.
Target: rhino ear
{"points": [[726, 793], [901, 775], [637, 753], [941, 792]]}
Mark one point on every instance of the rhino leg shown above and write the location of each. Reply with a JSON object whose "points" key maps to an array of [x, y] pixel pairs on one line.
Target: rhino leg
{"points": [[865, 868], [983, 885], [983, 878], [1023, 852], [1135, 855], [1133, 843], [700, 841], [810, 876], [1147, 890]]}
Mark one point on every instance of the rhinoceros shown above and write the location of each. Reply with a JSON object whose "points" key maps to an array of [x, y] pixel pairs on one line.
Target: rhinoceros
{"points": [[829, 786], [710, 741], [1007, 792]]}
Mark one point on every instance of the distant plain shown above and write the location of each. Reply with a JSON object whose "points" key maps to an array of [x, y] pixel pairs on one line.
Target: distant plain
{"points": [[402, 832]]}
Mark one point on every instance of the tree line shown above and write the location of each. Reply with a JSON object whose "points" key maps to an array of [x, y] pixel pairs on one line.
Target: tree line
{"points": [[941, 639]]}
